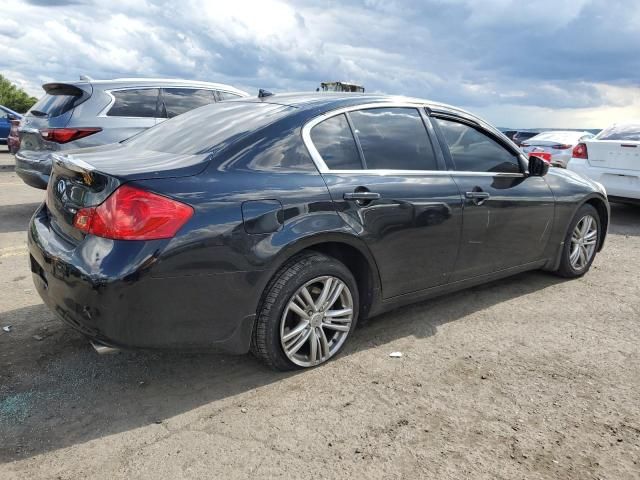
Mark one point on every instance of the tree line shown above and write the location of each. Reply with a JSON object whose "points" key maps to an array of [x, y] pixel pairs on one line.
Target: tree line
{"points": [[15, 98]]}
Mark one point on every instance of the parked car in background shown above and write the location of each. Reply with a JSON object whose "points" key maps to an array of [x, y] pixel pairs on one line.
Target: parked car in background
{"points": [[14, 140], [509, 133], [90, 112], [520, 137], [555, 147], [612, 158], [6, 117], [275, 223]]}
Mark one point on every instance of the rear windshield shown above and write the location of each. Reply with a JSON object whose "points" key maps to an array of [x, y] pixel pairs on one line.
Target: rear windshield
{"points": [[621, 132], [54, 103], [208, 127]]}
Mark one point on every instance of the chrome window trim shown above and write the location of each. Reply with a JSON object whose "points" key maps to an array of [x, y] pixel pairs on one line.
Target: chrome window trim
{"points": [[323, 168], [442, 173]]}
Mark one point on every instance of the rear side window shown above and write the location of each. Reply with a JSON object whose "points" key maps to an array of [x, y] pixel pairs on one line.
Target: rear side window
{"points": [[181, 100], [227, 95], [393, 138], [473, 151], [621, 132], [335, 144], [140, 102], [56, 102]]}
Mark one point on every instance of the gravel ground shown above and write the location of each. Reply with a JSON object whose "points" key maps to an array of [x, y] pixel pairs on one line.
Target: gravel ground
{"points": [[530, 377]]}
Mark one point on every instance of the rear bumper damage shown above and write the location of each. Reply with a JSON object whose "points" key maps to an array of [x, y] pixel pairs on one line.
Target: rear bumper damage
{"points": [[127, 307]]}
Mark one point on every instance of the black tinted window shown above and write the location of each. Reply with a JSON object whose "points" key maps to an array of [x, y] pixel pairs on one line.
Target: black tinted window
{"points": [[621, 132], [134, 103], [180, 100], [227, 95], [334, 141], [473, 151], [54, 103], [393, 138]]}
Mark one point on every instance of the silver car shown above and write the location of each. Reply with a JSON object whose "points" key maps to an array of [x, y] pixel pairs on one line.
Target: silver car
{"points": [[554, 147], [91, 112]]}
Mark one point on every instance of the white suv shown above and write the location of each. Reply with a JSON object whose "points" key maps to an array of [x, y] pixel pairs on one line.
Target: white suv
{"points": [[612, 158]]}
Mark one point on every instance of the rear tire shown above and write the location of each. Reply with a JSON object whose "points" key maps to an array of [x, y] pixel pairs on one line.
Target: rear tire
{"points": [[306, 314], [581, 243]]}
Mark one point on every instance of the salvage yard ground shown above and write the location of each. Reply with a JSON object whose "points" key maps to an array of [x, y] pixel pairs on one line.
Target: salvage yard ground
{"points": [[530, 377]]}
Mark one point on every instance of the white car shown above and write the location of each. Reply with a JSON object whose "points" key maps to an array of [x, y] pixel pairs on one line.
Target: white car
{"points": [[612, 158], [554, 147]]}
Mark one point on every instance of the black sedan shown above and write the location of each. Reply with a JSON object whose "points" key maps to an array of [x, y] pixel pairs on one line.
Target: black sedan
{"points": [[273, 224]]}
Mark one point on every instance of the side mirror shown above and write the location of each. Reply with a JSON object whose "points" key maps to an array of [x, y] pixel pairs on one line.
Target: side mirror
{"points": [[537, 167], [11, 116]]}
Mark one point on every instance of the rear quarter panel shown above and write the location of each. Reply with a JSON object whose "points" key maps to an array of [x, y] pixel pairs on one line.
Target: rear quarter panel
{"points": [[269, 168]]}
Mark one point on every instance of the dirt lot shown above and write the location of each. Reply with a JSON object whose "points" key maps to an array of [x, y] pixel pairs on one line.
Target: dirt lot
{"points": [[530, 377]]}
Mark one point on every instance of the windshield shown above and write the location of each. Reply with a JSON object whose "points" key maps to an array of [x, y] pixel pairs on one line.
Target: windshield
{"points": [[205, 128], [630, 131]]}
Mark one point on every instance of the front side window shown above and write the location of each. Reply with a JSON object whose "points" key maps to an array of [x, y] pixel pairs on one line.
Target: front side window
{"points": [[473, 151], [139, 102], [181, 100], [335, 144], [393, 138]]}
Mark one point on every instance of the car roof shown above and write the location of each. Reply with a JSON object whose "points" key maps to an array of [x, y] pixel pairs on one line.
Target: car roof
{"points": [[333, 100], [152, 82]]}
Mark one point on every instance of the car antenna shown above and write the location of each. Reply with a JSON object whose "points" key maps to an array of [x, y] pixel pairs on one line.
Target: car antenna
{"points": [[262, 93]]}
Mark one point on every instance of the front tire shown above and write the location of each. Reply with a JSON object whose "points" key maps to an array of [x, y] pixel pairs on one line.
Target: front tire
{"points": [[581, 243], [307, 312]]}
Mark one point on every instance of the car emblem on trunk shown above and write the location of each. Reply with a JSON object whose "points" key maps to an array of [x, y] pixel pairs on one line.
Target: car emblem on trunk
{"points": [[61, 187]]}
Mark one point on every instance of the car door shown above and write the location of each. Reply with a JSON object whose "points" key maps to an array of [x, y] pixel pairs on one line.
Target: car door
{"points": [[386, 181], [131, 111], [507, 215]]}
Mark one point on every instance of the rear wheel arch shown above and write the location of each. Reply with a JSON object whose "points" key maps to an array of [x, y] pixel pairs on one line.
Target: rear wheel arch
{"points": [[349, 250]]}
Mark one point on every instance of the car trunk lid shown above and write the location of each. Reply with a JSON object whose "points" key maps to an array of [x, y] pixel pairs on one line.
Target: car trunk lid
{"points": [[86, 177], [615, 154]]}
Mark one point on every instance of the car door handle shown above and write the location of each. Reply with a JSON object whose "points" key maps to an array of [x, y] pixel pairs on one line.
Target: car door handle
{"points": [[361, 196], [479, 195]]}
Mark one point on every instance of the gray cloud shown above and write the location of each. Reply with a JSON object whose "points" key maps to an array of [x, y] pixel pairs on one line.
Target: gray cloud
{"points": [[543, 54]]}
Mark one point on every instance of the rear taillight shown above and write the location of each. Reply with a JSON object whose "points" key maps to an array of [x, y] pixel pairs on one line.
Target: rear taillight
{"points": [[64, 135], [562, 146], [133, 214], [580, 151]]}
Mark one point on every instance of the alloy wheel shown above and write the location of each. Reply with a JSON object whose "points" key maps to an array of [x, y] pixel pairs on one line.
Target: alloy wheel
{"points": [[583, 242], [316, 321]]}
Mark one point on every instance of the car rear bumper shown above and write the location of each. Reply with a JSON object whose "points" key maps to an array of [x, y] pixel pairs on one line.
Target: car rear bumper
{"points": [[33, 170], [127, 307], [621, 184]]}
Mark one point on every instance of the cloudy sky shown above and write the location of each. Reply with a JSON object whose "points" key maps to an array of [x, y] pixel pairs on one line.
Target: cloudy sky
{"points": [[554, 63]]}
